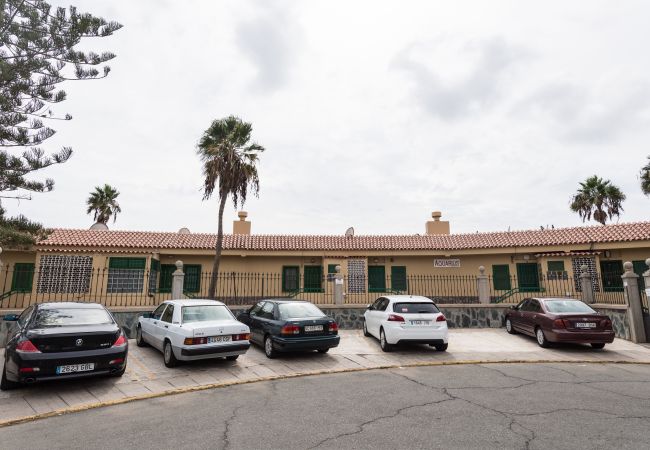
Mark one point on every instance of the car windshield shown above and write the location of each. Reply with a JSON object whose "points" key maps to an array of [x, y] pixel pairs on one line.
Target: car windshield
{"points": [[295, 310], [415, 308], [567, 306], [71, 317], [205, 313]]}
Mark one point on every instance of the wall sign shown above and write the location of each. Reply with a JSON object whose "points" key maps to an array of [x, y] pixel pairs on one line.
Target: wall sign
{"points": [[446, 263]]}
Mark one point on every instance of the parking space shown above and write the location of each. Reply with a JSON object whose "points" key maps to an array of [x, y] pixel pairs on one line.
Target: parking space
{"points": [[146, 374]]}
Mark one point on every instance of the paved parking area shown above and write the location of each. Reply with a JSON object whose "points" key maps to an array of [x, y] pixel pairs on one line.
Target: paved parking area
{"points": [[147, 376]]}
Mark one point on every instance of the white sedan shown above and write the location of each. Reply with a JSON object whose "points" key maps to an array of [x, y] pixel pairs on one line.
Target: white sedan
{"points": [[186, 330], [400, 319]]}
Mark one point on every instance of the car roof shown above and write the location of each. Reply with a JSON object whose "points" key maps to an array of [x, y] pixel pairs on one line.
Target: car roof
{"points": [[69, 305], [408, 298], [194, 302], [547, 299], [284, 300]]}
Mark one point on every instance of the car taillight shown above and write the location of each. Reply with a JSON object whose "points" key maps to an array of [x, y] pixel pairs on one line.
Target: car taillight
{"points": [[395, 318], [195, 341], [29, 369], [334, 327], [441, 318], [116, 361], [121, 341], [26, 346], [290, 329], [606, 323], [559, 323], [241, 337]]}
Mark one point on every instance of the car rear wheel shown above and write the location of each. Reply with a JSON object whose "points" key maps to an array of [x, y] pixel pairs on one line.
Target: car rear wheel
{"points": [[232, 357], [541, 338], [365, 329], [168, 355], [5, 384], [385, 346], [323, 350], [509, 328], [442, 347], [138, 337], [598, 345], [269, 351]]}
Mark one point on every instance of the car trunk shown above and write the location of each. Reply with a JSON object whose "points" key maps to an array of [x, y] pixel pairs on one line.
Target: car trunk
{"points": [[74, 338], [215, 328], [421, 320], [312, 326], [584, 322]]}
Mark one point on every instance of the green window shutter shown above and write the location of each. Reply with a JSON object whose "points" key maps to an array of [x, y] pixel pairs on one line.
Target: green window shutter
{"points": [[639, 268], [398, 278], [23, 277], [556, 266], [501, 277], [192, 282], [610, 273], [528, 277], [290, 278], [376, 279], [331, 268], [165, 283], [155, 264], [313, 279], [127, 263]]}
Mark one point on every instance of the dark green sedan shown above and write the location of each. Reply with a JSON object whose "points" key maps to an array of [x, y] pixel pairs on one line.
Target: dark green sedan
{"points": [[283, 325]]}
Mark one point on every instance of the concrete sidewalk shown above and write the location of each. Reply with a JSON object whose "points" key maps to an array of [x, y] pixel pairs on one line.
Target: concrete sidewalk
{"points": [[147, 376]]}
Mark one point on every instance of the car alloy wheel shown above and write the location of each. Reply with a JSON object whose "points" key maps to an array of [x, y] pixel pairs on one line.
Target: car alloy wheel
{"points": [[268, 347], [509, 328], [168, 355], [385, 346], [138, 337], [541, 339]]}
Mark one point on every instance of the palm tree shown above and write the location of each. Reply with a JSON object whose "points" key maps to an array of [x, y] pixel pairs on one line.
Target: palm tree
{"points": [[229, 166], [103, 203], [599, 198], [645, 178]]}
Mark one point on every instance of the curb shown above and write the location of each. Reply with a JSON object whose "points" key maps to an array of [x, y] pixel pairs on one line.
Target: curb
{"points": [[204, 387]]}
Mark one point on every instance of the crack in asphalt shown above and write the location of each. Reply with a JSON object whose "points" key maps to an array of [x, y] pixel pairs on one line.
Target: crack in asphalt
{"points": [[226, 431]]}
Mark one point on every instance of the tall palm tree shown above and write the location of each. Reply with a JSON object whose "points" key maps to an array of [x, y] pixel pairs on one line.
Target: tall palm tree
{"points": [[103, 203], [645, 178], [229, 166], [599, 198]]}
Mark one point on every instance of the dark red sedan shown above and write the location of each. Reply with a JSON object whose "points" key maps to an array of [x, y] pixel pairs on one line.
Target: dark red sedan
{"points": [[560, 320]]}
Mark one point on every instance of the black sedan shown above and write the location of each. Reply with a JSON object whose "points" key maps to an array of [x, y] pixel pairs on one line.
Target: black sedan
{"points": [[63, 340], [290, 325]]}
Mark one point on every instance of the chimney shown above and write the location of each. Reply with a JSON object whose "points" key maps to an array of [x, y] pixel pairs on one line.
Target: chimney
{"points": [[241, 226], [437, 226]]}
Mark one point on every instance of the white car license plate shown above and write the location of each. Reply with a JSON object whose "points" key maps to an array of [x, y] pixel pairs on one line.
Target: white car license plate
{"points": [[311, 328], [585, 325], [75, 368], [214, 339], [420, 322]]}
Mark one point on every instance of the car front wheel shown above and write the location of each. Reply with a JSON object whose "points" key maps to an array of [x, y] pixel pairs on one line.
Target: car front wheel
{"points": [[269, 351], [383, 343], [442, 347], [168, 355], [598, 345], [232, 357], [541, 338], [509, 328], [138, 337]]}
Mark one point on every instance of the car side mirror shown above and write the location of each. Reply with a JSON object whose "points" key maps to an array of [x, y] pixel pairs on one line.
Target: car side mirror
{"points": [[369, 307], [10, 318], [147, 315], [514, 307]]}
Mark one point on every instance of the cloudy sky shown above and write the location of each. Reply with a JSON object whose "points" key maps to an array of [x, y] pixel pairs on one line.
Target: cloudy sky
{"points": [[373, 113]]}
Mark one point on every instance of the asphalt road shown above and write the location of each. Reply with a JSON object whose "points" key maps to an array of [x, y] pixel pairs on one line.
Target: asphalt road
{"points": [[473, 406]]}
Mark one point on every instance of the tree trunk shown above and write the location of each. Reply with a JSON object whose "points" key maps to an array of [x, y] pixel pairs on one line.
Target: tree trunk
{"points": [[217, 256]]}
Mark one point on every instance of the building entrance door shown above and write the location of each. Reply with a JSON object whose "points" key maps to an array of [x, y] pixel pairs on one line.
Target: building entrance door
{"points": [[528, 277]]}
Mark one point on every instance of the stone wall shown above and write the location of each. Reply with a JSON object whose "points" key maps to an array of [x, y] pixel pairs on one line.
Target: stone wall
{"points": [[620, 319]]}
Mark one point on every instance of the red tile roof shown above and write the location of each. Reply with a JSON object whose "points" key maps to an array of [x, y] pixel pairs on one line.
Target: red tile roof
{"points": [[68, 240]]}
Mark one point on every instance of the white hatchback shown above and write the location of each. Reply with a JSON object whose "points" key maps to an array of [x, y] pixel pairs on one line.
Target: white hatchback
{"points": [[400, 319], [186, 330]]}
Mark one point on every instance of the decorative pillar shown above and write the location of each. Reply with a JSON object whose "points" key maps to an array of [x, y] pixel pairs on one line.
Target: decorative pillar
{"points": [[338, 286], [178, 278], [646, 278], [633, 300], [483, 286], [586, 285]]}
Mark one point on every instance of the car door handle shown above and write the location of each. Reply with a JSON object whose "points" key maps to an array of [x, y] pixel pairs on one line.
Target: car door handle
{"points": [[155, 323], [166, 326]]}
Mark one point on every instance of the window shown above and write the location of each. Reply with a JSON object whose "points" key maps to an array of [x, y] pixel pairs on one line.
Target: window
{"points": [[165, 282], [57, 317], [125, 275], [376, 279], [610, 272], [640, 268], [528, 277], [298, 310], [534, 306], [158, 312], [23, 277], [192, 281], [567, 306], [556, 270], [255, 310], [523, 305], [313, 279], [64, 274], [356, 276], [501, 277], [205, 313], [168, 314], [331, 268], [267, 311], [290, 278], [24, 317], [415, 308], [383, 303], [153, 275], [398, 278]]}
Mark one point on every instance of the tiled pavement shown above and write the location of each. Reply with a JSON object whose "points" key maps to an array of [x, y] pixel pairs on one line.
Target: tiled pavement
{"points": [[146, 374]]}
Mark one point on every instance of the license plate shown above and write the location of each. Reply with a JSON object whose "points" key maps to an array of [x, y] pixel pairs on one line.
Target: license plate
{"points": [[420, 322], [214, 339], [585, 325], [311, 328], [75, 368]]}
